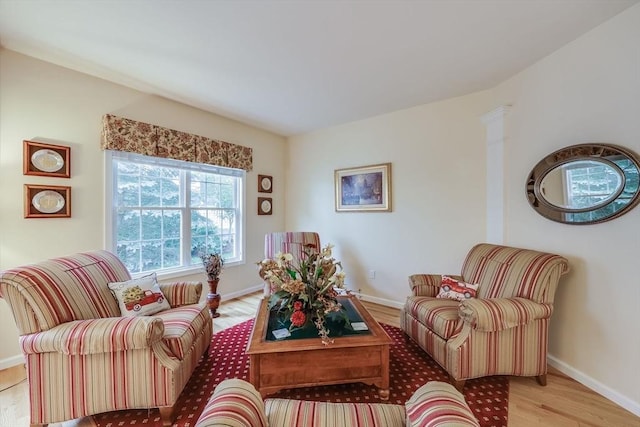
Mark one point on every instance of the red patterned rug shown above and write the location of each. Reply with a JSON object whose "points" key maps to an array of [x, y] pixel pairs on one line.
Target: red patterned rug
{"points": [[410, 367]]}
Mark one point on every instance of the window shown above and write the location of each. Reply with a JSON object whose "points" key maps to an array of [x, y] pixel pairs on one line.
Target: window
{"points": [[164, 212]]}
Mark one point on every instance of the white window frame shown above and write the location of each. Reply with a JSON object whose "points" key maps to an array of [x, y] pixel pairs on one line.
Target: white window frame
{"points": [[111, 217]]}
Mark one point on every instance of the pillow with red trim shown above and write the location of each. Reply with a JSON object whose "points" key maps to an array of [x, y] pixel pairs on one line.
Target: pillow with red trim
{"points": [[139, 297], [456, 289]]}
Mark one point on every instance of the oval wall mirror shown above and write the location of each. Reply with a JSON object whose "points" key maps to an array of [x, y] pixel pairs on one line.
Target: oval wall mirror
{"points": [[585, 184]]}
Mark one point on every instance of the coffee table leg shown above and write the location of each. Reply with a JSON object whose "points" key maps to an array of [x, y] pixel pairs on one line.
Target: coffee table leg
{"points": [[383, 390], [384, 393], [254, 371]]}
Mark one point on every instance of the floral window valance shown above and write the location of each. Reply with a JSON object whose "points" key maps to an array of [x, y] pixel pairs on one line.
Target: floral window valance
{"points": [[121, 134]]}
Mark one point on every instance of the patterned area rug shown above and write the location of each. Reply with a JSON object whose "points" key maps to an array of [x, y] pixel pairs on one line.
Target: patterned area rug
{"points": [[410, 367]]}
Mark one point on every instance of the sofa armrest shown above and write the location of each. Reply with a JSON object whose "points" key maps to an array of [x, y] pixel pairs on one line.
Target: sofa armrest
{"points": [[502, 313], [234, 403], [181, 293], [95, 336], [427, 285], [438, 404]]}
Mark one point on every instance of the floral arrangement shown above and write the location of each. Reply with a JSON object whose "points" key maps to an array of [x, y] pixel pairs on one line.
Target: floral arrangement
{"points": [[305, 292], [213, 264]]}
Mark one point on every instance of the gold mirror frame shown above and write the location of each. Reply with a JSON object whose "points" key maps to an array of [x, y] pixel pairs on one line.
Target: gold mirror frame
{"points": [[624, 162]]}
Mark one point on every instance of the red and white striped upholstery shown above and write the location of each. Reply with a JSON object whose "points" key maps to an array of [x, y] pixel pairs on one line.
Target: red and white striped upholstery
{"points": [[303, 413], [236, 403], [293, 242], [82, 357], [438, 404], [504, 331]]}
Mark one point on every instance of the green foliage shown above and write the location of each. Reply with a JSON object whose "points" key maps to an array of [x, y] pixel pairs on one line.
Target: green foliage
{"points": [[150, 214]]}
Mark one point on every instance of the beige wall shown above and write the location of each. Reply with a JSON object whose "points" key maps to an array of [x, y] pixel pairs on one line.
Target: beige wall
{"points": [[41, 101], [588, 91], [437, 152]]}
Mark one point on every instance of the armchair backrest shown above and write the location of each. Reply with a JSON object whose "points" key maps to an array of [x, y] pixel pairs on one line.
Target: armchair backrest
{"points": [[60, 290], [504, 272], [293, 242]]}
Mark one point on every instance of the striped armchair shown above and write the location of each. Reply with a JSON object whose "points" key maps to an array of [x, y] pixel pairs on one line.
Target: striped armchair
{"points": [[504, 331], [236, 403], [82, 357]]}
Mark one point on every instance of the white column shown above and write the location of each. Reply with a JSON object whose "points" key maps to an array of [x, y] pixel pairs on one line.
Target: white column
{"points": [[496, 137]]}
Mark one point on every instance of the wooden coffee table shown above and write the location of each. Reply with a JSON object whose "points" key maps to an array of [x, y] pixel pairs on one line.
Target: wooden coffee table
{"points": [[276, 365]]}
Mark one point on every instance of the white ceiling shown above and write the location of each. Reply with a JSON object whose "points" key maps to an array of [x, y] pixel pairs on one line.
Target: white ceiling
{"points": [[296, 66]]}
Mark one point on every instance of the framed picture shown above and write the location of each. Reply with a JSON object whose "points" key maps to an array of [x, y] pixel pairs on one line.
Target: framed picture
{"points": [[364, 189], [265, 206], [265, 183], [47, 201], [46, 159]]}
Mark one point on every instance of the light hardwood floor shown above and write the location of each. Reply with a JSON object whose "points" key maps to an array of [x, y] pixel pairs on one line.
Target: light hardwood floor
{"points": [[562, 403]]}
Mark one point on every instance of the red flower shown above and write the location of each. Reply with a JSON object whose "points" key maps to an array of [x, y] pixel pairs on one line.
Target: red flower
{"points": [[297, 306], [298, 318]]}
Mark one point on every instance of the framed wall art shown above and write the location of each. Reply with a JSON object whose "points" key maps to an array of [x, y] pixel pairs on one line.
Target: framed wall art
{"points": [[47, 201], [265, 206], [265, 183], [363, 189], [46, 159]]}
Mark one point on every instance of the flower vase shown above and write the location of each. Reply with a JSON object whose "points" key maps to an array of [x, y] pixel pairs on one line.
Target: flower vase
{"points": [[213, 297]]}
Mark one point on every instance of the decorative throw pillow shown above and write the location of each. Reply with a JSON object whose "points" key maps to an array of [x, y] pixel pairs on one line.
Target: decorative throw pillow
{"points": [[139, 297], [457, 290]]}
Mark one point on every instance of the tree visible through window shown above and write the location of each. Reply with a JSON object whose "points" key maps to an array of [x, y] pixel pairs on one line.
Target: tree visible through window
{"points": [[166, 211], [596, 184]]}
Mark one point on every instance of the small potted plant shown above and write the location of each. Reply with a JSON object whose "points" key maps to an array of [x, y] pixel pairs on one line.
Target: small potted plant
{"points": [[212, 263]]}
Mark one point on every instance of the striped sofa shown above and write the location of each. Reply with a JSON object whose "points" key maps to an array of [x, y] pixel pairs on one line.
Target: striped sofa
{"points": [[236, 403], [504, 331], [82, 357]]}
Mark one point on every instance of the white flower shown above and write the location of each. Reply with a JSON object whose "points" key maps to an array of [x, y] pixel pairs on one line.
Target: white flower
{"points": [[338, 279], [326, 251], [283, 259]]}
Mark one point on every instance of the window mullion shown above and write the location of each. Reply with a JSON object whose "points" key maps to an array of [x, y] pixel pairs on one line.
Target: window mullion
{"points": [[185, 179]]}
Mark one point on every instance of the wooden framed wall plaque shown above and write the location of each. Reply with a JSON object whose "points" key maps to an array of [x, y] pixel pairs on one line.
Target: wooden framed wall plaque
{"points": [[47, 201], [46, 159], [265, 206], [265, 183]]}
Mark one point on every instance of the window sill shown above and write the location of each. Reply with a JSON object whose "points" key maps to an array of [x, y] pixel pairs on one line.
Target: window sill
{"points": [[177, 273]]}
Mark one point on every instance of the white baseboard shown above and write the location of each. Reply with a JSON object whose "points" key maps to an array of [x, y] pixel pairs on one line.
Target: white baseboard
{"points": [[12, 361], [381, 301], [243, 292], [598, 387]]}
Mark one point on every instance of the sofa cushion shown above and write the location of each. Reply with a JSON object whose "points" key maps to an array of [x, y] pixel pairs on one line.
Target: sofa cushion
{"points": [[182, 325], [299, 413], [139, 297], [439, 315]]}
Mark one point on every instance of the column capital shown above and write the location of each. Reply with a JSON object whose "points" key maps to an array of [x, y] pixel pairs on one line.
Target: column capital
{"points": [[495, 114]]}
